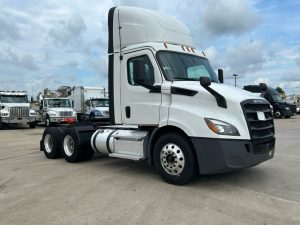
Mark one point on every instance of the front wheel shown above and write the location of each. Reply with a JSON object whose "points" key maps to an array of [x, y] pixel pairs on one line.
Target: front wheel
{"points": [[47, 121], [287, 117], [174, 159], [277, 114]]}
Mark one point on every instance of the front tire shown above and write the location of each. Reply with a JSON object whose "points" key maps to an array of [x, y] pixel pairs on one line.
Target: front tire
{"points": [[287, 117], [92, 117], [47, 122], [174, 159], [51, 142], [71, 150], [277, 114]]}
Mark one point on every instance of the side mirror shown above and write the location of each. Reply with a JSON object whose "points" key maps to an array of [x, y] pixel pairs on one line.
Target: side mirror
{"points": [[263, 87], [221, 76], [205, 81]]}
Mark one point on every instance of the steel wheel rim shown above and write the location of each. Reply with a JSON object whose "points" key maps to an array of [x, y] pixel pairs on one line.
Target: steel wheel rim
{"points": [[68, 145], [48, 143], [172, 159]]}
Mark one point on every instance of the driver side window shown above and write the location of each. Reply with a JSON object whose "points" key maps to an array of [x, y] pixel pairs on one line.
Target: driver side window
{"points": [[141, 69]]}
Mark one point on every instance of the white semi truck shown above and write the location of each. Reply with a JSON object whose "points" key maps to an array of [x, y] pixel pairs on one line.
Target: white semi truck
{"points": [[90, 102], [15, 109], [53, 111], [167, 106]]}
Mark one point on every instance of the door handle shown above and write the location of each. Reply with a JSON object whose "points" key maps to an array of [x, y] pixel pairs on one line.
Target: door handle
{"points": [[127, 111]]}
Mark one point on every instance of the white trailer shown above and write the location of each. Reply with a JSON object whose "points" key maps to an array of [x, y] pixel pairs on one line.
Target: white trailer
{"points": [[15, 109], [90, 102], [168, 106]]}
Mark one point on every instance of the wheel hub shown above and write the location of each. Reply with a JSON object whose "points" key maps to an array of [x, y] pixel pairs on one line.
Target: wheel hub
{"points": [[68, 145], [172, 159], [48, 143]]}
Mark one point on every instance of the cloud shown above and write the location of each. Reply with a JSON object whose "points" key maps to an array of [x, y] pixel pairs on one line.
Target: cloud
{"points": [[246, 57], [11, 58], [229, 17], [8, 27], [67, 32], [262, 80]]}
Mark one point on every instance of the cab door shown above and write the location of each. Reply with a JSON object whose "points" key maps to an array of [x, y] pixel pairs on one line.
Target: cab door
{"points": [[140, 88]]}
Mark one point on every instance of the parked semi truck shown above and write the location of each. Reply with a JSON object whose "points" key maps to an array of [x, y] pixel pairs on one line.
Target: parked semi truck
{"points": [[280, 107], [168, 106], [90, 103], [53, 111], [15, 109]]}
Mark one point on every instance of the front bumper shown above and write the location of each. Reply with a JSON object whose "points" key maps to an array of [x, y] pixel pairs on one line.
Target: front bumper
{"points": [[62, 119], [221, 155], [18, 120]]}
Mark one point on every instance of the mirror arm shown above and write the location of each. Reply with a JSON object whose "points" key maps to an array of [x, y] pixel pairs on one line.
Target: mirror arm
{"points": [[153, 89]]}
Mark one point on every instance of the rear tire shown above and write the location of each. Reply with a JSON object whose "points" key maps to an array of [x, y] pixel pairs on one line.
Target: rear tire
{"points": [[71, 150], [51, 142], [174, 159]]}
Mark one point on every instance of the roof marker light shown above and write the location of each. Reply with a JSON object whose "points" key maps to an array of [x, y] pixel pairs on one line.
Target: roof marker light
{"points": [[203, 53], [188, 48], [192, 50], [182, 48], [165, 44]]}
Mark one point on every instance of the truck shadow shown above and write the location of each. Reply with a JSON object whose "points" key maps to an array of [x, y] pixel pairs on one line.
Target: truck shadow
{"points": [[141, 169]]}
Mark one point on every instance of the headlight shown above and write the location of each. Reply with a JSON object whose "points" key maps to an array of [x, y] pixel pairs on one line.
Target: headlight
{"points": [[4, 114], [287, 108], [98, 113], [52, 114], [32, 113], [74, 113], [221, 127]]}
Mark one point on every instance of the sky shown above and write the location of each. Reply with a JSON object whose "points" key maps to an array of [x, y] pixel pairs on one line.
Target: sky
{"points": [[50, 43]]}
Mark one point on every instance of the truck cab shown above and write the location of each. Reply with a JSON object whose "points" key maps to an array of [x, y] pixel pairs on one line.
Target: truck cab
{"points": [[15, 109], [280, 107], [56, 111], [169, 107], [97, 109]]}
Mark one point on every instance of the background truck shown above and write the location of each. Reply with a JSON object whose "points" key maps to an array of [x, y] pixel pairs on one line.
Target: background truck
{"points": [[15, 109], [280, 108], [90, 102], [168, 106]]}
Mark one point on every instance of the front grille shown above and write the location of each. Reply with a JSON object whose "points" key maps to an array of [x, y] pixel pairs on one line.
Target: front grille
{"points": [[261, 131], [65, 114], [19, 111]]}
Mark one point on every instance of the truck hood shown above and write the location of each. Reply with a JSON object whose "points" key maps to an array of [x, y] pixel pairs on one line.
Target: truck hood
{"points": [[229, 92], [15, 104], [60, 109]]}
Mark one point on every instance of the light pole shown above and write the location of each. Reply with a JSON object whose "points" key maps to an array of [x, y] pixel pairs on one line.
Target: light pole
{"points": [[235, 75]]}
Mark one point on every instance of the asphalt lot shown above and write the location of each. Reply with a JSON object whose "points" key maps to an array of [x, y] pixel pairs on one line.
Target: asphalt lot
{"points": [[36, 190]]}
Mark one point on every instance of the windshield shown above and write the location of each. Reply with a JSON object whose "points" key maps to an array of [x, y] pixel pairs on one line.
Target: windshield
{"points": [[180, 66], [100, 103], [13, 99], [54, 103], [276, 96]]}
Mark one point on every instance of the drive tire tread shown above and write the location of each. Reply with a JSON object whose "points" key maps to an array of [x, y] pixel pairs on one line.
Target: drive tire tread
{"points": [[56, 134], [81, 153]]}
